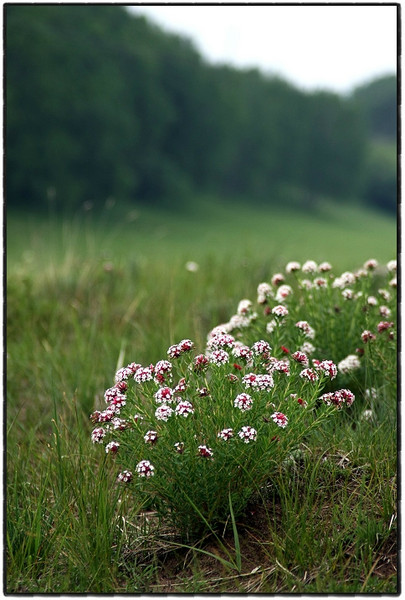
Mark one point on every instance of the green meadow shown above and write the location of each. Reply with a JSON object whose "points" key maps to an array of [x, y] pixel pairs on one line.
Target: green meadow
{"points": [[92, 292]]}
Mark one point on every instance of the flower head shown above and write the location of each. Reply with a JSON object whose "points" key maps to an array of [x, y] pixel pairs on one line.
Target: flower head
{"points": [[283, 292], [300, 357], [309, 266], [328, 367], [309, 374], [144, 374], [145, 469], [164, 395], [292, 266], [184, 408], [150, 437], [225, 434], [264, 291], [277, 279], [205, 451], [244, 307], [350, 363], [261, 347], [112, 447], [247, 434], [280, 419], [97, 435], [280, 311], [163, 412], [219, 357], [243, 402], [125, 476]]}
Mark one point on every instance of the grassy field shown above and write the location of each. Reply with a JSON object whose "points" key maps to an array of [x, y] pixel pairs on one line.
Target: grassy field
{"points": [[90, 293]]}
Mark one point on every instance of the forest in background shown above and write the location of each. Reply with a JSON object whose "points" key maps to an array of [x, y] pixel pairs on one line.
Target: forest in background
{"points": [[103, 106]]}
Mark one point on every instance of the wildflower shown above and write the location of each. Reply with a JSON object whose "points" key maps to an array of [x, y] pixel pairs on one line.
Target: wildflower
{"points": [[220, 341], [300, 357], [203, 392], [192, 266], [309, 374], [120, 424], [247, 434], [346, 278], [114, 396], [123, 374], [112, 447], [324, 267], [385, 294], [367, 336], [280, 419], [94, 417], [263, 292], [383, 325], [144, 374], [372, 301], [285, 350], [308, 348], [163, 412], [219, 357], [107, 415], [277, 279], [271, 325], [179, 447], [371, 264], [150, 437], [320, 282], [181, 386], [280, 311], [283, 292], [261, 347], [282, 366], [174, 351], [360, 273], [97, 435], [184, 408], [205, 451], [348, 294], [243, 402], [122, 386], [232, 378], [133, 367], [338, 398], [244, 307], [164, 395], [392, 265], [200, 362], [145, 469], [163, 370], [302, 402], [393, 282], [384, 311], [125, 476], [137, 418], [306, 328], [305, 284], [225, 434], [367, 415], [309, 267], [186, 345], [370, 394], [238, 321], [328, 368], [350, 363], [292, 267], [242, 351]]}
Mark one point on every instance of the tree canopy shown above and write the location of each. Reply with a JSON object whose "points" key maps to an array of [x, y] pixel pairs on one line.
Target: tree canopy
{"points": [[101, 103]]}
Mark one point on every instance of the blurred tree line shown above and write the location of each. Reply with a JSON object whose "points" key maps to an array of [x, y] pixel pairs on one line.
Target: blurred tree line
{"points": [[102, 104]]}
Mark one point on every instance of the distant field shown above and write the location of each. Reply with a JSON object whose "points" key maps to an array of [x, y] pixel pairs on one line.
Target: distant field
{"points": [[208, 231]]}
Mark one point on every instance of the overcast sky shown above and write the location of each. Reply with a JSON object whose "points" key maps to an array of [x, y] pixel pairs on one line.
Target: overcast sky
{"points": [[328, 47]]}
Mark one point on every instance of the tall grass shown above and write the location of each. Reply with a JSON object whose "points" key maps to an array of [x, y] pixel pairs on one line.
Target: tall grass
{"points": [[87, 294]]}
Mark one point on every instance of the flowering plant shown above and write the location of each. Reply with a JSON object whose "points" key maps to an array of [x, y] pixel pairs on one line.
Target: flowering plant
{"points": [[194, 431], [349, 318]]}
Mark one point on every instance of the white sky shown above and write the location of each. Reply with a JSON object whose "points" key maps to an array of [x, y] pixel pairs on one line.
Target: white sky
{"points": [[329, 47]]}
